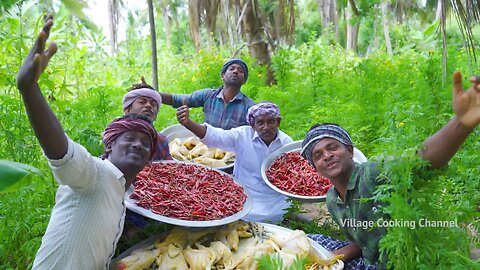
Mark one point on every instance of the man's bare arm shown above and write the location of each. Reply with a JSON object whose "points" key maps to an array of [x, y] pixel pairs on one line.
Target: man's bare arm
{"points": [[440, 147], [351, 251], [48, 129]]}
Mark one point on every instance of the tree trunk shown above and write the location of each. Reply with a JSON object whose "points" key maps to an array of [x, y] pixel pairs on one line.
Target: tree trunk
{"points": [[211, 11], [399, 11], [257, 46], [229, 25], [279, 22], [114, 15], [329, 16], [283, 26], [334, 19], [291, 24], [438, 13], [166, 22], [153, 42], [321, 12], [194, 22], [373, 46], [353, 25], [174, 11], [386, 32]]}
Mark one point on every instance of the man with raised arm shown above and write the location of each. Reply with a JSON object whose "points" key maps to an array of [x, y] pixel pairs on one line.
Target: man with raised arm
{"points": [[251, 145], [89, 210], [224, 107], [329, 149]]}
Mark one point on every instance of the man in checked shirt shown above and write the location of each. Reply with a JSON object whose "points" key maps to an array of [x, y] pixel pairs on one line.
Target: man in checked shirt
{"points": [[224, 107], [329, 149]]}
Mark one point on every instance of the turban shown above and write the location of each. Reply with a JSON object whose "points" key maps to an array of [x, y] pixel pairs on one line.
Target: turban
{"points": [[262, 108], [128, 123], [235, 61], [131, 96], [317, 133]]}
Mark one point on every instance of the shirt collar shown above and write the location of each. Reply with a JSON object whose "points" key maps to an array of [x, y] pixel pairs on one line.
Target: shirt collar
{"points": [[238, 96], [352, 184], [116, 171], [257, 137]]}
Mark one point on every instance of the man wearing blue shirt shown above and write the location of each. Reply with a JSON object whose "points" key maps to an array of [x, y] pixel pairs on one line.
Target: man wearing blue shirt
{"points": [[225, 107]]}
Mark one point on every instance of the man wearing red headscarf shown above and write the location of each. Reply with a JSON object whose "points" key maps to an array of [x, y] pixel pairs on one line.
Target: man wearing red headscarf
{"points": [[89, 210]]}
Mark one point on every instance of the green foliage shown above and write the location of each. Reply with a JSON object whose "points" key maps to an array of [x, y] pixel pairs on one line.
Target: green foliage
{"points": [[388, 104], [328, 228], [6, 4], [274, 262], [14, 175], [310, 27]]}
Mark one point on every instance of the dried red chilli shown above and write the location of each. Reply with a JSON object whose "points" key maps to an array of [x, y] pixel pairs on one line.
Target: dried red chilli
{"points": [[290, 172], [187, 192]]}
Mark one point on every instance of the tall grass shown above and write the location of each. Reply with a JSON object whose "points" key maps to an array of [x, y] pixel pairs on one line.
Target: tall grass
{"points": [[388, 104]]}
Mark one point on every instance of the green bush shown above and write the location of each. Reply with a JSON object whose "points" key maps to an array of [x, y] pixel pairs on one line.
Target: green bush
{"points": [[388, 104]]}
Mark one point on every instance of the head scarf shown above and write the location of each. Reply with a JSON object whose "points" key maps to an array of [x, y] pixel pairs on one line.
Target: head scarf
{"points": [[317, 133], [262, 108], [128, 123], [131, 96], [235, 61]]}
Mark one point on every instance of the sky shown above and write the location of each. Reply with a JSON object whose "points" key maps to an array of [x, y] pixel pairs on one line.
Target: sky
{"points": [[98, 13]]}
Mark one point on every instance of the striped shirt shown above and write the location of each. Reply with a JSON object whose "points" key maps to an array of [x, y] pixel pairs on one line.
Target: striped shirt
{"points": [[216, 111], [88, 216], [358, 209]]}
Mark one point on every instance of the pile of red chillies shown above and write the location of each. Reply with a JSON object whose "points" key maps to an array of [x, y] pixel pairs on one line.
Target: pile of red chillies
{"points": [[187, 192], [291, 173]]}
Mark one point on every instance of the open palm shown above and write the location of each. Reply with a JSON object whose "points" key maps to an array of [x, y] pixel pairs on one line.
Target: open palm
{"points": [[37, 59], [466, 104]]}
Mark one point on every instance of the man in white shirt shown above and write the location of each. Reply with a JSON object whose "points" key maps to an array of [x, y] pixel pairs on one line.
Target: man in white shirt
{"points": [[89, 210], [251, 145]]}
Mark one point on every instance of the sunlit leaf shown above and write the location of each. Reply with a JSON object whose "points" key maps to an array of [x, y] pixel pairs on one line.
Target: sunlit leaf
{"points": [[14, 175], [430, 30]]}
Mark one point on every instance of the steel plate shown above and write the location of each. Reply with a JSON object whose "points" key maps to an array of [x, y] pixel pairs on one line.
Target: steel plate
{"points": [[277, 230], [296, 146], [247, 206], [178, 131]]}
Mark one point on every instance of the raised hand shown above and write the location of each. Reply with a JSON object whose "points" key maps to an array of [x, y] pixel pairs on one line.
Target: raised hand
{"points": [[182, 113], [48, 130], [466, 104], [37, 59]]}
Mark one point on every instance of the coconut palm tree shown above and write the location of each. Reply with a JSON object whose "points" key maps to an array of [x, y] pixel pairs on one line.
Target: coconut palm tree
{"points": [[153, 42], [467, 13]]}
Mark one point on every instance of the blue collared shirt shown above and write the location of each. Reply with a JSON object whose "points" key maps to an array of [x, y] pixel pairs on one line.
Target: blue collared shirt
{"points": [[216, 111]]}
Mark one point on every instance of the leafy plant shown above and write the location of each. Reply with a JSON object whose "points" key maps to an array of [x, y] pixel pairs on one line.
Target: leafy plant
{"points": [[274, 262], [16, 175], [389, 104]]}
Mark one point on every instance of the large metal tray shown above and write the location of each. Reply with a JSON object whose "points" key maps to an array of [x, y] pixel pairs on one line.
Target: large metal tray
{"points": [[277, 230], [178, 131], [247, 206], [296, 146]]}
